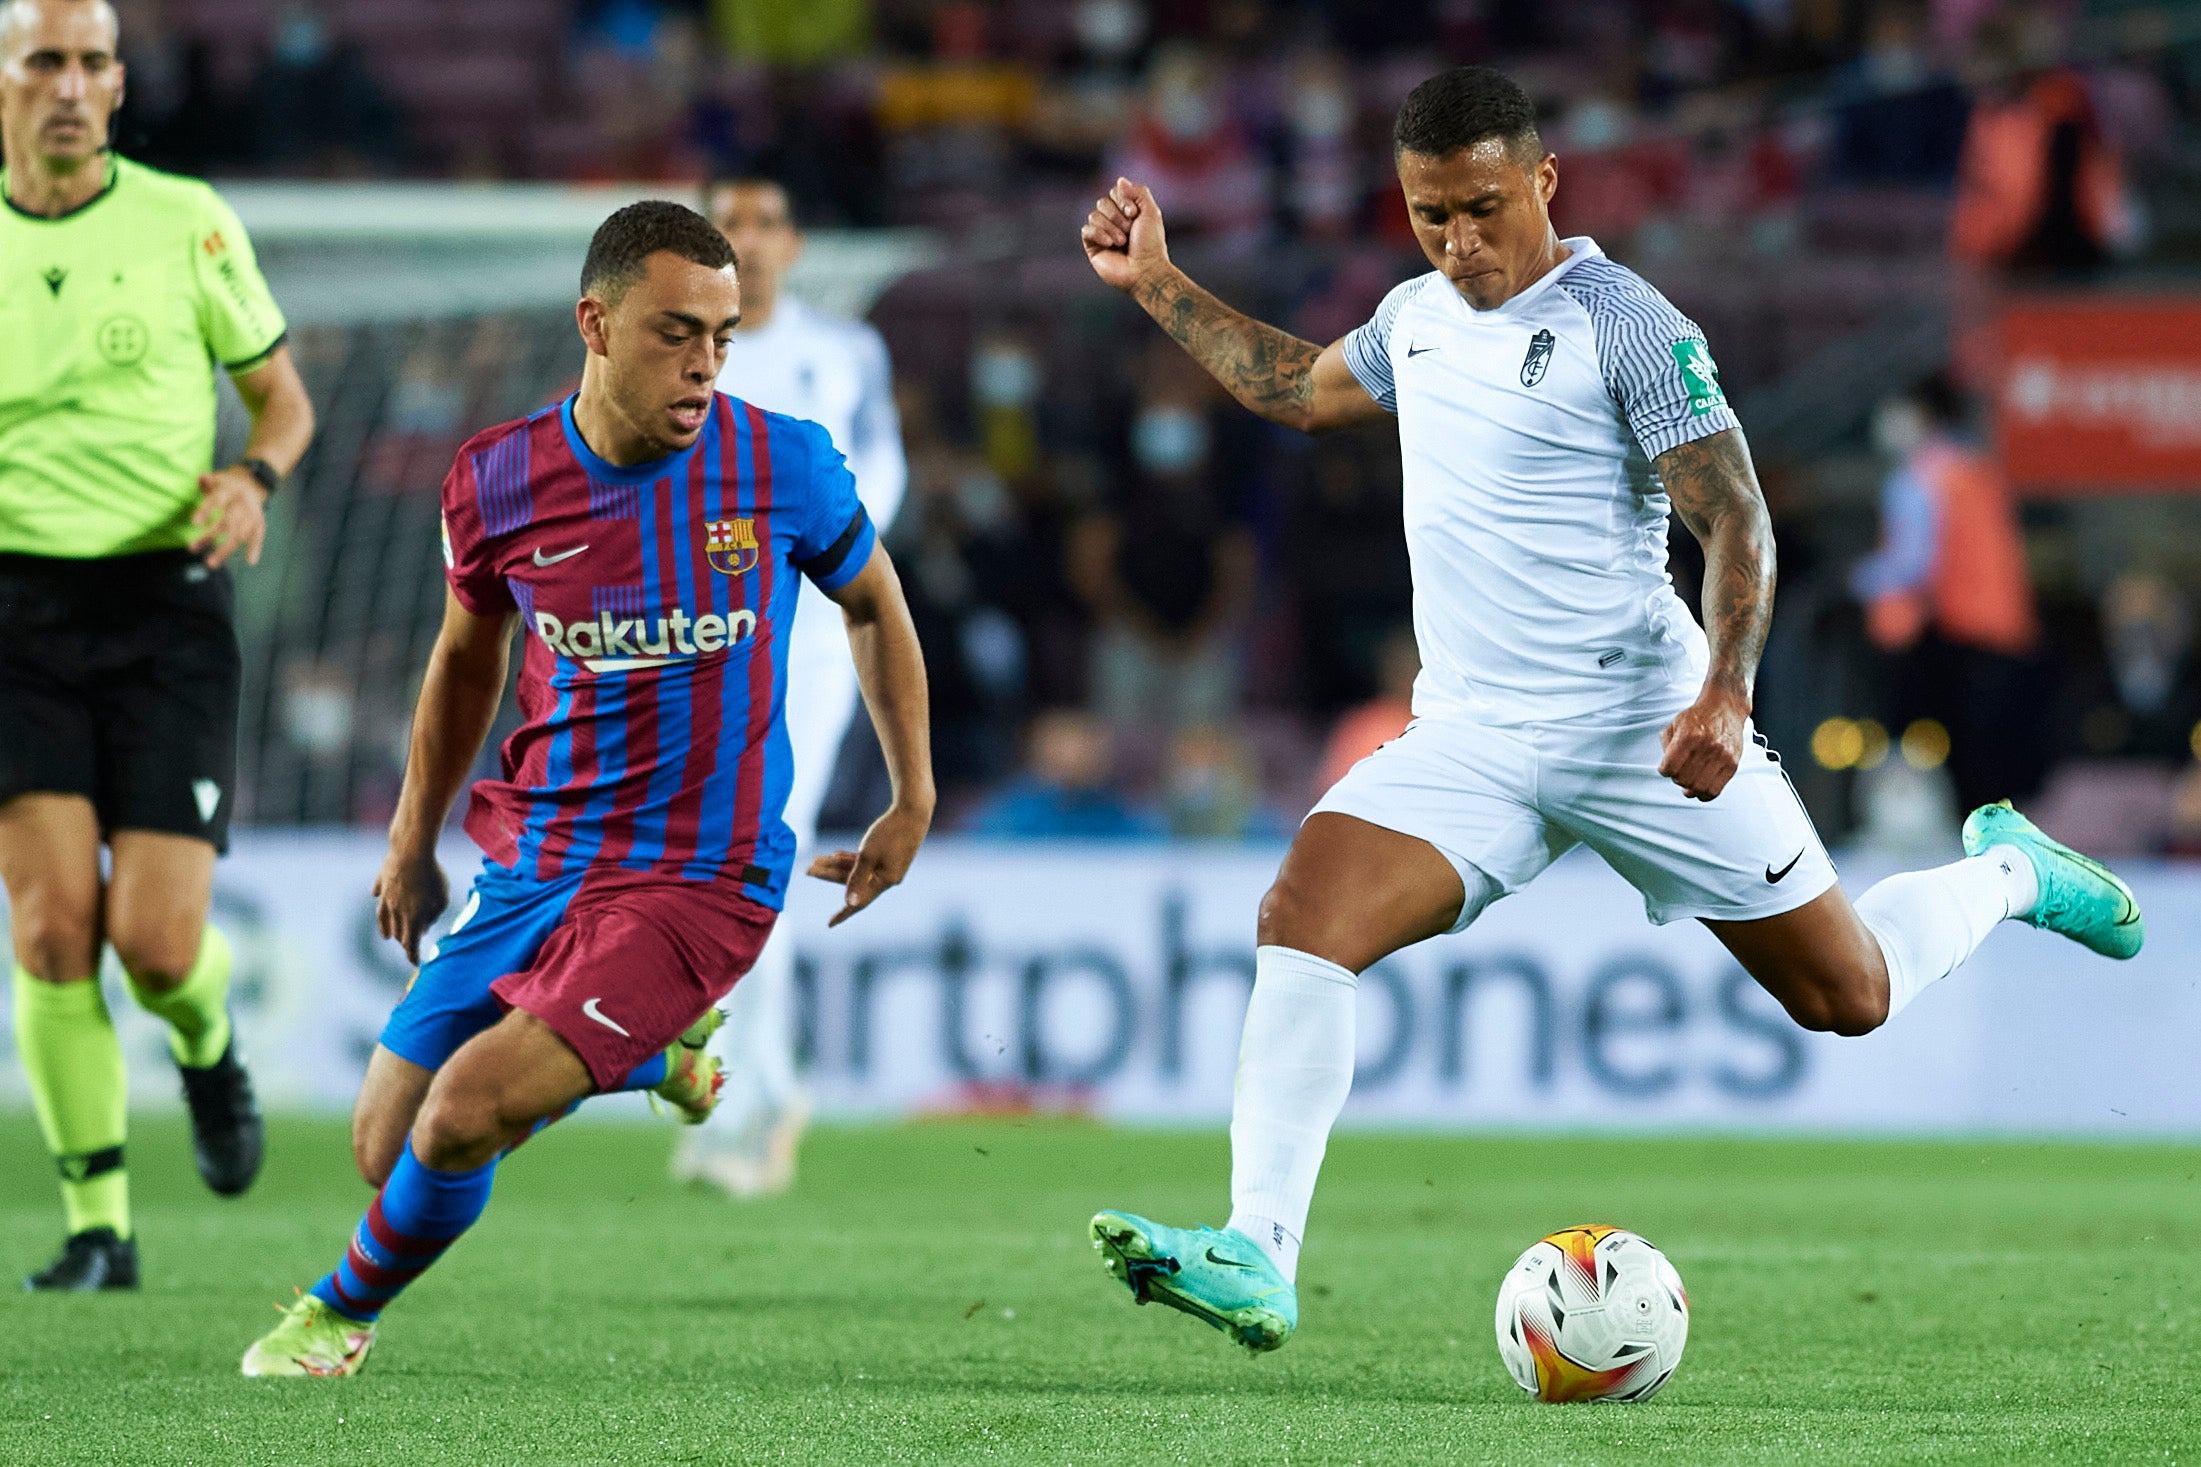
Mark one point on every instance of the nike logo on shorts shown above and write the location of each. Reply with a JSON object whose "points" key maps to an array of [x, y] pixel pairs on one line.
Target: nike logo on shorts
{"points": [[1774, 876], [591, 1008], [542, 559]]}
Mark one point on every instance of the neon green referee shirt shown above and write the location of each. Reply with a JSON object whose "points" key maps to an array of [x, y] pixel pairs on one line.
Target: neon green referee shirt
{"points": [[112, 320]]}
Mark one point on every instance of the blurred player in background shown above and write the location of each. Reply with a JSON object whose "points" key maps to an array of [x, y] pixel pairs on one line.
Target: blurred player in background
{"points": [[647, 537], [788, 358], [118, 660], [1553, 410]]}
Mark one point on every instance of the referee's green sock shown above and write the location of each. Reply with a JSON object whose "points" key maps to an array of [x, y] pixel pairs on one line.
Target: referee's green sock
{"points": [[196, 1011], [74, 1063]]}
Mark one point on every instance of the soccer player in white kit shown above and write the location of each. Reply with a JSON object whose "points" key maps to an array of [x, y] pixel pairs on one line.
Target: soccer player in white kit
{"points": [[789, 358], [1553, 409]]}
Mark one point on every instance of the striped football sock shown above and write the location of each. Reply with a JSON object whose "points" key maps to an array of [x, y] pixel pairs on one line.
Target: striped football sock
{"points": [[418, 1213]]}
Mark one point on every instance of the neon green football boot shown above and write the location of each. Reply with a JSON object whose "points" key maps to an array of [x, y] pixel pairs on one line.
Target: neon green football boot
{"points": [[313, 1339], [1220, 1276], [2079, 896], [693, 1078]]}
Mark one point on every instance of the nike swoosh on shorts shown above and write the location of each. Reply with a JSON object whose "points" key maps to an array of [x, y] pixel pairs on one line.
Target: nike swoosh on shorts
{"points": [[589, 1007]]}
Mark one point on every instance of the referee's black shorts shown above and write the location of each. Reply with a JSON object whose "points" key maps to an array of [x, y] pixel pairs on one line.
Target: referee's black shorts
{"points": [[119, 682]]}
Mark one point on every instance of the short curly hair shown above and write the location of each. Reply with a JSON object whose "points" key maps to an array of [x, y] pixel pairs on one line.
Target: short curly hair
{"points": [[1462, 107], [623, 244]]}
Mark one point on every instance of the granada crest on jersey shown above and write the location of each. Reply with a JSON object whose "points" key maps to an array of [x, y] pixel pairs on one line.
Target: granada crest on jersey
{"points": [[731, 546], [1538, 360]]}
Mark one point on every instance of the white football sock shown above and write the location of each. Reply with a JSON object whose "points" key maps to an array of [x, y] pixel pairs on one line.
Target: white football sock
{"points": [[1295, 1066], [757, 1044], [1929, 922]]}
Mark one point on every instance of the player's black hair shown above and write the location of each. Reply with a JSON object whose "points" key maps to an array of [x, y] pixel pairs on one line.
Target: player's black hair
{"points": [[755, 180], [624, 243], [1462, 107]]}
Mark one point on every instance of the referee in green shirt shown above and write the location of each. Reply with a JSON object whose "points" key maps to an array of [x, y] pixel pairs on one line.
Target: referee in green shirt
{"points": [[121, 289]]}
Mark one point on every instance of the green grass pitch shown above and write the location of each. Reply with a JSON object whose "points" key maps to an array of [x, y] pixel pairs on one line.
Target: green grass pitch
{"points": [[928, 1295]]}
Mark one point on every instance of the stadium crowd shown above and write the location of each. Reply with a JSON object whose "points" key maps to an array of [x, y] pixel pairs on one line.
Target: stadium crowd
{"points": [[1146, 612]]}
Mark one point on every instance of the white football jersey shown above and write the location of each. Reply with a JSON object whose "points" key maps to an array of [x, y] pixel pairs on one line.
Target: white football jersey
{"points": [[807, 364], [1535, 524]]}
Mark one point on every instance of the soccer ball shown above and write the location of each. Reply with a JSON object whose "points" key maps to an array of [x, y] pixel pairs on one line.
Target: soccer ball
{"points": [[1592, 1313]]}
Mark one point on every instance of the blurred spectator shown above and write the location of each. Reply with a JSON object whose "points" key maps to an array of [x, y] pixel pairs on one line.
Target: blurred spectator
{"points": [[1188, 146], [1005, 387], [1064, 790], [1087, 104], [1168, 567], [1899, 117], [2040, 188], [317, 106], [637, 69], [1949, 598], [2148, 639], [1370, 726], [951, 121], [1345, 562], [1211, 789], [1323, 185]]}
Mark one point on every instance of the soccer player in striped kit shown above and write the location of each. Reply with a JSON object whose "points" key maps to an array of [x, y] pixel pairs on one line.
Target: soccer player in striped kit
{"points": [[647, 538], [789, 358]]}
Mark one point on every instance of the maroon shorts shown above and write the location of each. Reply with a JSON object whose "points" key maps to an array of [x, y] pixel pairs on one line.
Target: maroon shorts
{"points": [[635, 960]]}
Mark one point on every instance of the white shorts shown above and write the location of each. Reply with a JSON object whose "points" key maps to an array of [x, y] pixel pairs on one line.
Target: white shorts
{"points": [[1505, 802]]}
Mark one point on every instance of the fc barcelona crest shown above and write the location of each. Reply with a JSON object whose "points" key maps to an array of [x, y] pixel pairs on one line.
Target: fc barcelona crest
{"points": [[731, 546], [1538, 360]]}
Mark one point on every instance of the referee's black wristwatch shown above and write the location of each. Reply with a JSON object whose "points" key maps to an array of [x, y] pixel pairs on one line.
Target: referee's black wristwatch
{"points": [[262, 470]]}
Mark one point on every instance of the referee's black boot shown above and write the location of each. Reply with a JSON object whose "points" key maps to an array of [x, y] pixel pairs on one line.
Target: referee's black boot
{"points": [[91, 1260], [226, 1133]]}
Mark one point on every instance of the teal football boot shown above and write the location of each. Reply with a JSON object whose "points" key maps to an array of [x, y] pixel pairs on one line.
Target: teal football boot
{"points": [[1221, 1277], [2079, 896]]}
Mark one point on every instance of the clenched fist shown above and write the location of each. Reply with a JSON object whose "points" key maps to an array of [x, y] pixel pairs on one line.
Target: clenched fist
{"points": [[1123, 236], [1703, 745]]}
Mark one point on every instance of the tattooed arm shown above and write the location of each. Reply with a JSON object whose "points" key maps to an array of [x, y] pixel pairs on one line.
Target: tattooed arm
{"points": [[1273, 373], [1715, 491]]}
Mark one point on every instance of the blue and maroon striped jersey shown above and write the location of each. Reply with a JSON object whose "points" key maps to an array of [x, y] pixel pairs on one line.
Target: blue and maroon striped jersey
{"points": [[654, 603]]}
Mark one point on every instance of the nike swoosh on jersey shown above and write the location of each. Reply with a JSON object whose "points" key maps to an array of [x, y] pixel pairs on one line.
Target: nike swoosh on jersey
{"points": [[589, 1007], [1415, 351], [1774, 876], [542, 559]]}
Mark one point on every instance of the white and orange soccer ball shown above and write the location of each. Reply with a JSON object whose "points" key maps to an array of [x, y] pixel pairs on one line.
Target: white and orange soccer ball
{"points": [[1592, 1313]]}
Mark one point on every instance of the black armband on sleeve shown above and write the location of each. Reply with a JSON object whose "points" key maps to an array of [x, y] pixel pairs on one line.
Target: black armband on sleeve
{"points": [[829, 560]]}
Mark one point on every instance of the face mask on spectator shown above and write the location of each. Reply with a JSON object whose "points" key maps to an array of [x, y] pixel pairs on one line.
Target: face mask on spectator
{"points": [[1185, 113], [1005, 376], [1170, 440], [1322, 110], [1597, 124], [1109, 30], [1897, 427], [301, 39]]}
